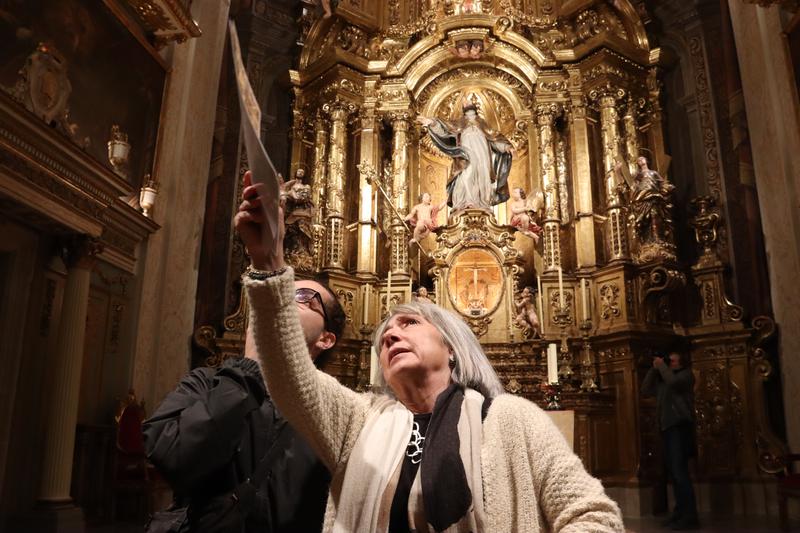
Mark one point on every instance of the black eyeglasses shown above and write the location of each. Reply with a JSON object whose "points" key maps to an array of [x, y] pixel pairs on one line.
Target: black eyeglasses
{"points": [[304, 295]]}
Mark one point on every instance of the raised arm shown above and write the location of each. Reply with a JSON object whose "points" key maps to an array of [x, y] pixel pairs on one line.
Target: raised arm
{"points": [[314, 403]]}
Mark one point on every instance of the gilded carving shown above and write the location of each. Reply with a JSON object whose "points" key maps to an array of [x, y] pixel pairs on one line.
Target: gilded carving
{"points": [[346, 299], [609, 301], [707, 123]]}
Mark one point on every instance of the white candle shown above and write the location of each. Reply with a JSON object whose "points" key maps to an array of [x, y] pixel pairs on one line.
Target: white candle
{"points": [[374, 366], [552, 363], [585, 298], [560, 288], [540, 301], [367, 290], [389, 292]]}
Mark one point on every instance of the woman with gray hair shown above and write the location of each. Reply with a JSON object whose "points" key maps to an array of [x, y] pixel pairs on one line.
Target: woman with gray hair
{"points": [[442, 448]]}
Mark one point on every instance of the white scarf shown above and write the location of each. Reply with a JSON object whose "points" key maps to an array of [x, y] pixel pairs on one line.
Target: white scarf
{"points": [[364, 500]]}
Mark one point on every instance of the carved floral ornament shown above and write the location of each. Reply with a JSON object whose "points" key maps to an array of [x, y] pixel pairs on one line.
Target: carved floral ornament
{"points": [[167, 20]]}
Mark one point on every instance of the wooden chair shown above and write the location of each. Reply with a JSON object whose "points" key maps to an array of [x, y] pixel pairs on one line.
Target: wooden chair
{"points": [[132, 475], [788, 487]]}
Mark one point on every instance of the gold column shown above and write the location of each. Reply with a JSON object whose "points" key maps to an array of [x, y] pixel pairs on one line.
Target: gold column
{"points": [[334, 205], [630, 127], [545, 115], [655, 130], [298, 132], [62, 397], [319, 186], [585, 245], [615, 211], [368, 133], [400, 185]]}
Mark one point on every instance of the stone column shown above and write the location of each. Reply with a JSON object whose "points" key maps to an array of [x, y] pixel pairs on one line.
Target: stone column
{"points": [[368, 134], [617, 246], [337, 160], [319, 184], [773, 118], [62, 397], [400, 196], [545, 115], [585, 246]]}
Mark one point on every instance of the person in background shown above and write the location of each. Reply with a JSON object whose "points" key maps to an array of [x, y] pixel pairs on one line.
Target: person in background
{"points": [[673, 386]]}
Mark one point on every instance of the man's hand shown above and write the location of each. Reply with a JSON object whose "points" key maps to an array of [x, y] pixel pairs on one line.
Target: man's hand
{"points": [[425, 121], [658, 362], [249, 221]]}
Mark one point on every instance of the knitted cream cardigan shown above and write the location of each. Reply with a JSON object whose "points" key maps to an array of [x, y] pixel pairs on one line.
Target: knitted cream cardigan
{"points": [[532, 481]]}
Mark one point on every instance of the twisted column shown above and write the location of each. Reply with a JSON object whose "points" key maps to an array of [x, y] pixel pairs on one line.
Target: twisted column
{"points": [[545, 116], [319, 185], [63, 396], [337, 160], [400, 165], [615, 211]]}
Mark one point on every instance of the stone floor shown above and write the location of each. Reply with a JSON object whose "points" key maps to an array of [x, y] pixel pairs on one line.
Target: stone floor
{"points": [[710, 525], [632, 525]]}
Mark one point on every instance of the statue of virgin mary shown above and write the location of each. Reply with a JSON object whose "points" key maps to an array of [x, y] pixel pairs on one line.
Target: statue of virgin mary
{"points": [[481, 159]]}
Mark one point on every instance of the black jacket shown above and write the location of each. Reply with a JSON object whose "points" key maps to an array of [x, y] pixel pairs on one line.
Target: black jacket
{"points": [[674, 392], [209, 434]]}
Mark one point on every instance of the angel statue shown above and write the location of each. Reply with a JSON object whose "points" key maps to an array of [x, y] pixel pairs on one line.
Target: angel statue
{"points": [[482, 159], [423, 218], [649, 203], [526, 311], [524, 211]]}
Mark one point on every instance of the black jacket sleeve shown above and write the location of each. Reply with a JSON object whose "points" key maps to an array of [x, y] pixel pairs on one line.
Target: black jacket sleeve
{"points": [[197, 428], [649, 385]]}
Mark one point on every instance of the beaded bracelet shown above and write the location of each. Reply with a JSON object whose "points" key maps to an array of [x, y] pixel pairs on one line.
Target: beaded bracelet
{"points": [[261, 275]]}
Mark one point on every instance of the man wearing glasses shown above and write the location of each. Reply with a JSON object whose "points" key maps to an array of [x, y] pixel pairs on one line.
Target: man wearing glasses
{"points": [[209, 434]]}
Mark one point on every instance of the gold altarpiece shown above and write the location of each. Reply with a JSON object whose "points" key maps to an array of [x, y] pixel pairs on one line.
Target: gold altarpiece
{"points": [[575, 87]]}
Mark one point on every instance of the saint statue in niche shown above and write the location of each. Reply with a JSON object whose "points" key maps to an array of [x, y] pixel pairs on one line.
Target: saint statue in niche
{"points": [[299, 213], [481, 159], [649, 203]]}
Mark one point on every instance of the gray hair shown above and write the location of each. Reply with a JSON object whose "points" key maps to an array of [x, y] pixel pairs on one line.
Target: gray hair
{"points": [[473, 368]]}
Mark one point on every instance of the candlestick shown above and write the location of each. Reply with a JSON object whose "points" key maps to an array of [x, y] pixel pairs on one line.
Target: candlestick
{"points": [[585, 298], [561, 288], [552, 363]]}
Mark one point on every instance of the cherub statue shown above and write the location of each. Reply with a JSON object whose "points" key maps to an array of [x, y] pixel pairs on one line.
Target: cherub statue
{"points": [[524, 211], [423, 218], [526, 311], [475, 49], [462, 49]]}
